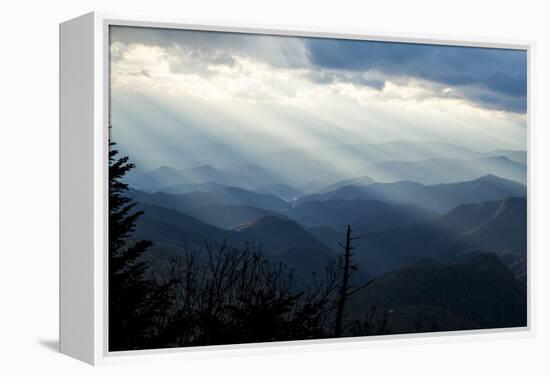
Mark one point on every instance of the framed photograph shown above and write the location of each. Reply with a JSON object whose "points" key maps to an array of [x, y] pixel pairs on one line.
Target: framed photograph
{"points": [[228, 187]]}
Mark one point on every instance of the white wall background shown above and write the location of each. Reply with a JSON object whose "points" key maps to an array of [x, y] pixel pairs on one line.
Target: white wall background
{"points": [[29, 186]]}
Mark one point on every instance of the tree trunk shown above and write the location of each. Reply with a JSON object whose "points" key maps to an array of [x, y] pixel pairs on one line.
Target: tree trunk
{"points": [[343, 293]]}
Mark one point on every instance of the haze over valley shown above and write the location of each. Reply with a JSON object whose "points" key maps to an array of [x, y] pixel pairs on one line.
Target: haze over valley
{"points": [[279, 144]]}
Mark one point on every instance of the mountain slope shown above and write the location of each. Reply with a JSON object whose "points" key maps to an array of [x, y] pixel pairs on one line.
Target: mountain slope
{"points": [[285, 192], [327, 235], [184, 188], [282, 240], [476, 288], [364, 214], [433, 171], [216, 195], [230, 216], [469, 216], [502, 230], [277, 233], [304, 164], [285, 241], [208, 173], [165, 226], [506, 230], [154, 179], [358, 181], [439, 198], [174, 179], [514, 155], [260, 175]]}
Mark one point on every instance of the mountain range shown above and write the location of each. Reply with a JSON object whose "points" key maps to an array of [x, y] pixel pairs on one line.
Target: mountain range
{"points": [[214, 195], [438, 170], [442, 228], [374, 215], [167, 178], [502, 229], [438, 198], [393, 235], [315, 168], [281, 239], [474, 291]]}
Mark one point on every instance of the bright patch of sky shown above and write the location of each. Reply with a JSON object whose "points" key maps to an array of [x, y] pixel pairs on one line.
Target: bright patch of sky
{"points": [[261, 93]]}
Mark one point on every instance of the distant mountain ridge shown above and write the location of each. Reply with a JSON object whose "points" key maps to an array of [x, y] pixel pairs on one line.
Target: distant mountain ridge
{"points": [[285, 192], [374, 215], [276, 233], [500, 227], [497, 233], [297, 203], [427, 162], [438, 170], [514, 155], [281, 239], [469, 216], [231, 216], [166, 176], [216, 195], [437, 198], [358, 181]]}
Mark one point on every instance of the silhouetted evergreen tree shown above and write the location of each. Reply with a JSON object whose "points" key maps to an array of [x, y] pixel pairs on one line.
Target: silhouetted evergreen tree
{"points": [[215, 297], [136, 301]]}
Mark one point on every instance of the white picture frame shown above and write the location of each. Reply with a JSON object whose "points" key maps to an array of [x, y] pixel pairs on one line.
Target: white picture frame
{"points": [[84, 190]]}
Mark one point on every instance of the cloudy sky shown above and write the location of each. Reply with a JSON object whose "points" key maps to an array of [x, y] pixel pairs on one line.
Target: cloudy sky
{"points": [[175, 87]]}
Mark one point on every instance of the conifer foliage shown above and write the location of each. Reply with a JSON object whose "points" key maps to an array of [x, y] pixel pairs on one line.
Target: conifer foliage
{"points": [[136, 299], [218, 295]]}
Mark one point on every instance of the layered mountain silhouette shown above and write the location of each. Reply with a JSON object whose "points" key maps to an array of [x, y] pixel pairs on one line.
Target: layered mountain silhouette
{"points": [[329, 236], [469, 216], [505, 230], [438, 198], [282, 239], [285, 192], [365, 154], [276, 233], [433, 171], [400, 223], [216, 195], [166, 177], [492, 226], [231, 216], [517, 156], [373, 215], [427, 162], [324, 163], [442, 229], [258, 173], [358, 181], [474, 291]]}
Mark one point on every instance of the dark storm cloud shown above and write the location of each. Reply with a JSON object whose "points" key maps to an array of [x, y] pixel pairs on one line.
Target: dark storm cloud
{"points": [[321, 76], [218, 47], [501, 73], [170, 37], [496, 100], [490, 78]]}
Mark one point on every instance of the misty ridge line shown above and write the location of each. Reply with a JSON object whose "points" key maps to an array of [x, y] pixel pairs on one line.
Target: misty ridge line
{"points": [[468, 223], [261, 179], [261, 169], [251, 198], [385, 151]]}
